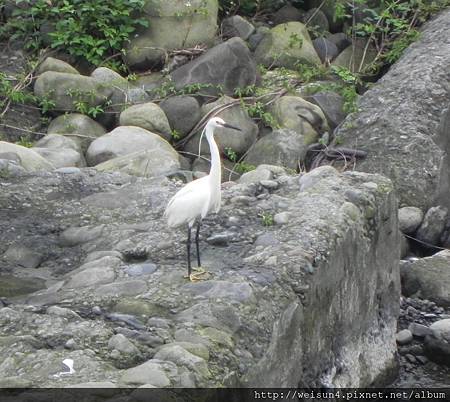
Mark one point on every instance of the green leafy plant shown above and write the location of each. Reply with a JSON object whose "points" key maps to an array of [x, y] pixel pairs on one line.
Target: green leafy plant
{"points": [[309, 72], [25, 142], [230, 154], [175, 134], [267, 218], [295, 41], [391, 25], [257, 110], [46, 104], [244, 167], [95, 30]]}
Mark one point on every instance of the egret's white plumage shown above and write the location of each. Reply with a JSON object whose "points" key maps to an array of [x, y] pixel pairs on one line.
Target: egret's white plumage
{"points": [[199, 197], [202, 196]]}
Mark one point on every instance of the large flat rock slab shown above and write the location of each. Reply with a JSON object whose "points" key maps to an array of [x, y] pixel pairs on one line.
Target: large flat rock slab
{"points": [[310, 300]]}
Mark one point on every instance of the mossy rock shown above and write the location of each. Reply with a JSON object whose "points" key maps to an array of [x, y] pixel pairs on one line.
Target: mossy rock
{"points": [[11, 286], [139, 308], [286, 45]]}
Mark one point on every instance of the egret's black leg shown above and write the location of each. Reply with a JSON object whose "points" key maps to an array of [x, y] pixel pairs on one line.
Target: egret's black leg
{"points": [[188, 243], [196, 243]]}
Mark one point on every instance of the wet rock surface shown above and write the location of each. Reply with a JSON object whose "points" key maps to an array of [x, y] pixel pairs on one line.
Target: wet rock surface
{"points": [[115, 300]]}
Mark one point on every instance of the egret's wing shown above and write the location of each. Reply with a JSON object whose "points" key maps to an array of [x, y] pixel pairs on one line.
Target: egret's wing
{"points": [[189, 203], [193, 186]]}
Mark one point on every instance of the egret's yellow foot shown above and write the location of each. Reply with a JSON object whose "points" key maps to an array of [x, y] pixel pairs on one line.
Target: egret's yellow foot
{"points": [[200, 275]]}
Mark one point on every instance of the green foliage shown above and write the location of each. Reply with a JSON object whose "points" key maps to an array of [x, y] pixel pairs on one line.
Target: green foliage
{"points": [[310, 72], [168, 88], [175, 134], [391, 25], [253, 8], [244, 167], [82, 102], [400, 44], [9, 93], [257, 110], [45, 104], [267, 219], [25, 142], [345, 74], [94, 30], [230, 154], [295, 41]]}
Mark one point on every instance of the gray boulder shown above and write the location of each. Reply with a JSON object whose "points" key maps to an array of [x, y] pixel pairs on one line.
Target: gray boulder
{"points": [[237, 26], [255, 176], [332, 106], [283, 147], [237, 141], [122, 141], [123, 345], [301, 116], [183, 112], [229, 65], [326, 50], [52, 64], [66, 90], [151, 372], [357, 56], [27, 158], [285, 46], [123, 94], [148, 116], [340, 39], [433, 225], [257, 37], [428, 278], [328, 7], [18, 254], [287, 13], [93, 273], [61, 157], [57, 141], [316, 20], [161, 160], [404, 141], [181, 357], [409, 219], [78, 127], [404, 337], [437, 345], [61, 151], [195, 22]]}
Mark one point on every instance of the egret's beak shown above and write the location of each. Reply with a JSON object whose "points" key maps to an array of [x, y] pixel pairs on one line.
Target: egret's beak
{"points": [[230, 126]]}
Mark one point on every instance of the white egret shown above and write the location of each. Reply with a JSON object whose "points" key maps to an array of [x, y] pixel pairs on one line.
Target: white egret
{"points": [[199, 197]]}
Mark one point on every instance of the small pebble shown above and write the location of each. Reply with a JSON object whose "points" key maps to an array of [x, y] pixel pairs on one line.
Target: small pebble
{"points": [[410, 358], [404, 337], [281, 218], [97, 310], [419, 330], [70, 344], [220, 239], [422, 359], [270, 184]]}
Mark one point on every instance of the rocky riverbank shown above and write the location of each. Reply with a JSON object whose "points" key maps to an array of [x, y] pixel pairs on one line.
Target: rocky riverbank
{"points": [[115, 301]]}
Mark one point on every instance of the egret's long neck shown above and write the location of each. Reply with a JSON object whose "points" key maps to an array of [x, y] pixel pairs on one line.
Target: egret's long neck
{"points": [[216, 171]]}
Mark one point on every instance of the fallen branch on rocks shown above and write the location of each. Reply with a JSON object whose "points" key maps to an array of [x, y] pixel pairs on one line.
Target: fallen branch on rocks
{"points": [[333, 153]]}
